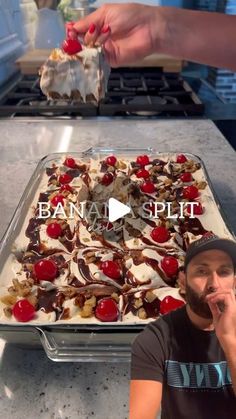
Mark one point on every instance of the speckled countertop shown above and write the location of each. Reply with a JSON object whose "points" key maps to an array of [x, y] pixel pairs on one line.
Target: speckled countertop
{"points": [[30, 385]]}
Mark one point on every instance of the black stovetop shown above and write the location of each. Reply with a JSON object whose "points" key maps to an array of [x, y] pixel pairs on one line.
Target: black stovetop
{"points": [[131, 91]]}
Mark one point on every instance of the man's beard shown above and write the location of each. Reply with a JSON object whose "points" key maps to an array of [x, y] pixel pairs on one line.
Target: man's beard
{"points": [[197, 303]]}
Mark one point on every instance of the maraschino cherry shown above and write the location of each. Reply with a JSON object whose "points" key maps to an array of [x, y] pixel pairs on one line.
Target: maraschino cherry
{"points": [[70, 162], [170, 303], [160, 234], [54, 230], [107, 310], [57, 199], [107, 179], [143, 160], [143, 173], [190, 192], [111, 269], [111, 160], [181, 158], [170, 265], [186, 177], [23, 310], [147, 187], [65, 178], [197, 209], [45, 270], [71, 46]]}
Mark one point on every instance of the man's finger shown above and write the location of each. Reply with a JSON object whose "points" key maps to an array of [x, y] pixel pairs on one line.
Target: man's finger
{"points": [[215, 311], [227, 297]]}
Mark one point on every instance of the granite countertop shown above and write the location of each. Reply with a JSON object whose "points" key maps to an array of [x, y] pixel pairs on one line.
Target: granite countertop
{"points": [[31, 385]]}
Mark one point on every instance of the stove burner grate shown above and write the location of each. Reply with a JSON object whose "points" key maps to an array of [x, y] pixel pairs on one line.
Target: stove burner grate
{"points": [[139, 91]]}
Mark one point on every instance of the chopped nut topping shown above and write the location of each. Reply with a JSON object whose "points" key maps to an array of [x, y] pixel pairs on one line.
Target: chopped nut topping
{"points": [[155, 169], [150, 296], [91, 301], [142, 313], [22, 289], [115, 296], [9, 300], [87, 311], [200, 185], [90, 257], [12, 291], [88, 308], [168, 182], [120, 165], [138, 303], [7, 311]]}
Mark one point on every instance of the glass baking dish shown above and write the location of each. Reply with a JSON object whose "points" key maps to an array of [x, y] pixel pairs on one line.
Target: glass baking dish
{"points": [[68, 341]]}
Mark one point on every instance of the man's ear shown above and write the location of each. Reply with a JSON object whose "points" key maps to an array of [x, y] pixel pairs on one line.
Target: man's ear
{"points": [[182, 281]]}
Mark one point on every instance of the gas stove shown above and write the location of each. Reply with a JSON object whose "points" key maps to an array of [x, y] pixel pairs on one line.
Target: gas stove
{"points": [[145, 92]]}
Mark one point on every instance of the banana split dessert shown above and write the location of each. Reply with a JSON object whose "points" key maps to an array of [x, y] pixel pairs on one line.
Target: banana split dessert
{"points": [[75, 72], [70, 264]]}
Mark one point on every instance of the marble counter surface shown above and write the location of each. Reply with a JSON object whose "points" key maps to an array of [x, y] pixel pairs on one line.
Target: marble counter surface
{"points": [[30, 385]]}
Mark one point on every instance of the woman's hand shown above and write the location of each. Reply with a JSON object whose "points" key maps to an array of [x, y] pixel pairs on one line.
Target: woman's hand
{"points": [[128, 32], [131, 31]]}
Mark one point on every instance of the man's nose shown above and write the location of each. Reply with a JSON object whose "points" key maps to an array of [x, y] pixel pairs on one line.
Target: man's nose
{"points": [[213, 282]]}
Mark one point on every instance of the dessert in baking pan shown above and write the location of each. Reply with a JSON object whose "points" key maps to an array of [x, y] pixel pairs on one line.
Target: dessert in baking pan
{"points": [[70, 264]]}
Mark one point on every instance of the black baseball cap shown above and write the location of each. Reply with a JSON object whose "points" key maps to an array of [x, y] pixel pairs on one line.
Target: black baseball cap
{"points": [[210, 241]]}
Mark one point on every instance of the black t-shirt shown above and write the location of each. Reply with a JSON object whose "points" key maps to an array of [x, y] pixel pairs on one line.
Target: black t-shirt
{"points": [[191, 365]]}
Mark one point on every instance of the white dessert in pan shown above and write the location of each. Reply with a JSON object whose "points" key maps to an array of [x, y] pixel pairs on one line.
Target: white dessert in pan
{"points": [[68, 268]]}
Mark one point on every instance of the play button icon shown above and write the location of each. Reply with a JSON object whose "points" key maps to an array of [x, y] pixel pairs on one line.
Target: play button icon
{"points": [[117, 209]]}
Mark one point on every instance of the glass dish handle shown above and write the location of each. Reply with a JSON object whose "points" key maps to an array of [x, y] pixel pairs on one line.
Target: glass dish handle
{"points": [[77, 346], [102, 150]]}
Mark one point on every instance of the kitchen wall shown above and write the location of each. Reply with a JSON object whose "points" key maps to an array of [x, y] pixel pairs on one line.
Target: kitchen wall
{"points": [[224, 81], [15, 37], [207, 5]]}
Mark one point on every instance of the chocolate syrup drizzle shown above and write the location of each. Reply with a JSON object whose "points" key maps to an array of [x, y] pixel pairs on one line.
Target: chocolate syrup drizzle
{"points": [[32, 232], [49, 301], [51, 170]]}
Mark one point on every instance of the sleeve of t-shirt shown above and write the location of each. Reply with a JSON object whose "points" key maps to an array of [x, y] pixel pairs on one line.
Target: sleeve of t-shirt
{"points": [[147, 356]]}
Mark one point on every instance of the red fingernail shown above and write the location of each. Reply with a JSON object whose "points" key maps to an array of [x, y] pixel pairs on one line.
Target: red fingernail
{"points": [[105, 29], [71, 32], [92, 28], [70, 25]]}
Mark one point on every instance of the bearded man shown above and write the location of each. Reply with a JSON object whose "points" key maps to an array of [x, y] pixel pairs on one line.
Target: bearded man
{"points": [[184, 363]]}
